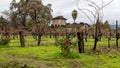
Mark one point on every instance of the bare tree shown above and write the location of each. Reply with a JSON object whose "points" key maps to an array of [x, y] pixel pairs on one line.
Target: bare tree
{"points": [[97, 14]]}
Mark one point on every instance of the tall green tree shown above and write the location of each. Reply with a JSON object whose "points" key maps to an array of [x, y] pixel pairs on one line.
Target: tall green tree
{"points": [[4, 26], [106, 29], [106, 25], [41, 15], [3, 23], [31, 9], [19, 9], [107, 32], [35, 10]]}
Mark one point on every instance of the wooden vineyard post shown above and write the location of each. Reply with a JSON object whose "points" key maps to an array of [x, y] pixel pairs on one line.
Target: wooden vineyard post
{"points": [[22, 41], [80, 42]]}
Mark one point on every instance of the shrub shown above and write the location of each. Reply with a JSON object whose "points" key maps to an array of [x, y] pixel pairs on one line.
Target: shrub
{"points": [[65, 44], [4, 41]]}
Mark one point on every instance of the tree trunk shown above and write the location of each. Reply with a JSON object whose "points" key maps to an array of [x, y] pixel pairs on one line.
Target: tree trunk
{"points": [[34, 36], [46, 35], [78, 36], [97, 30], [50, 35], [39, 38], [86, 37], [80, 42], [22, 41], [117, 37], [109, 38], [117, 43], [55, 35], [109, 43], [95, 43], [100, 36]]}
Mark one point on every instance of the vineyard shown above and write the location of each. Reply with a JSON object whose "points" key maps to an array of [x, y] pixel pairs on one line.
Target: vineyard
{"points": [[48, 55], [59, 34]]}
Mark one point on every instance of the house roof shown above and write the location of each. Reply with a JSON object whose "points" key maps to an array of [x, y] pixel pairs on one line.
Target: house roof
{"points": [[59, 17]]}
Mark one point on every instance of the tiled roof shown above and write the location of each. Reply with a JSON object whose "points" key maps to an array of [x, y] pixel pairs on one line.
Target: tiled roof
{"points": [[59, 17]]}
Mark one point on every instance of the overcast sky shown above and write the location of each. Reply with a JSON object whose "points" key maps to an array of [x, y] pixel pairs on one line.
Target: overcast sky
{"points": [[65, 7]]}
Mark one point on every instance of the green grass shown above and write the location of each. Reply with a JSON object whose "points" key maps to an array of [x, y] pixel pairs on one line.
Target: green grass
{"points": [[48, 56]]}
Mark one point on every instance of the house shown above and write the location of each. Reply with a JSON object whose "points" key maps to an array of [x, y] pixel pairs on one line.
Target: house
{"points": [[59, 21]]}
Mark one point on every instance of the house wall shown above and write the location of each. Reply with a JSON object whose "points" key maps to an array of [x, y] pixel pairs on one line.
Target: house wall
{"points": [[58, 22]]}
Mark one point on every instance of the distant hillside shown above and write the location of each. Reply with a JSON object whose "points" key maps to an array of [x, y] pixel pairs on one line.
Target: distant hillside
{"points": [[114, 26]]}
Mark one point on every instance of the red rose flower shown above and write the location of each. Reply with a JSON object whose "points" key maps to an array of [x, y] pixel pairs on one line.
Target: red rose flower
{"points": [[58, 35], [66, 42]]}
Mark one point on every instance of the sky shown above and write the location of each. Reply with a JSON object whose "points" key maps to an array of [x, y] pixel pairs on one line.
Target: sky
{"points": [[65, 8]]}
